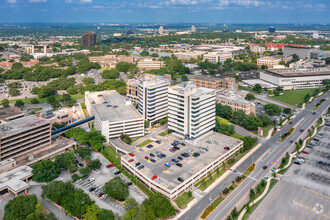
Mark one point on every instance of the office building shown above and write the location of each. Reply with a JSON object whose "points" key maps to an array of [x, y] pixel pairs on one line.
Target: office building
{"points": [[193, 29], [189, 55], [319, 54], [217, 57], [89, 39], [257, 49], [191, 110], [113, 114], [10, 114], [270, 62], [301, 51], [132, 90], [23, 135], [161, 30], [149, 64], [215, 83], [271, 30], [153, 97], [111, 60], [235, 101], [296, 78]]}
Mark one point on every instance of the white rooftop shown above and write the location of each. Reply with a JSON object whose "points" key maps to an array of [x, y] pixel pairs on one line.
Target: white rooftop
{"points": [[14, 179]]}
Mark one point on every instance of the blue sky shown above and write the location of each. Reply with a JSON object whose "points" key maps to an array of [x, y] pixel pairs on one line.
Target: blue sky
{"points": [[165, 11]]}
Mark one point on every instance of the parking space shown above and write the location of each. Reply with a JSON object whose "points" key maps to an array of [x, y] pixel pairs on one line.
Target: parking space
{"points": [[94, 182], [303, 192]]}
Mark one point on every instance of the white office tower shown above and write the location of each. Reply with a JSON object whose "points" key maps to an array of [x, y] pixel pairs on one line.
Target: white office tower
{"points": [[191, 110], [193, 29], [161, 30], [153, 97]]}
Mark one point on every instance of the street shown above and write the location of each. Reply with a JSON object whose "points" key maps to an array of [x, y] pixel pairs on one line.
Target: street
{"points": [[276, 150]]}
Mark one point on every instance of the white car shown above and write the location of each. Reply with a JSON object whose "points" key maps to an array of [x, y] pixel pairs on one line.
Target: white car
{"points": [[155, 158], [166, 147], [91, 179], [96, 171], [191, 151], [159, 180], [78, 181]]}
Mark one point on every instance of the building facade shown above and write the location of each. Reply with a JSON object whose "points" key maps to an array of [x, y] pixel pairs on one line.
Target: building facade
{"points": [[114, 115], [111, 60], [23, 135], [153, 97], [217, 57], [191, 110], [235, 101], [273, 61], [149, 64], [214, 82], [132, 90], [10, 114], [89, 39], [300, 51]]}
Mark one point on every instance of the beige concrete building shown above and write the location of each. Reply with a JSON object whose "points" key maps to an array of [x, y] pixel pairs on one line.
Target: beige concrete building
{"points": [[270, 62], [132, 90], [217, 57], [235, 101], [215, 83], [23, 135], [114, 115], [189, 55], [191, 110], [7, 164], [10, 114], [149, 64], [111, 60]]}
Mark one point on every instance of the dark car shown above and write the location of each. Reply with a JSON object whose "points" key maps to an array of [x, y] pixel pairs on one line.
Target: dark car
{"points": [[310, 146], [152, 155], [305, 152], [176, 148], [141, 167], [150, 146], [314, 113], [301, 130], [174, 160], [290, 122], [137, 164], [180, 158], [85, 177], [129, 183], [183, 144], [117, 172], [179, 164], [152, 160], [92, 189], [158, 141], [180, 179], [163, 155], [264, 167], [291, 141]]}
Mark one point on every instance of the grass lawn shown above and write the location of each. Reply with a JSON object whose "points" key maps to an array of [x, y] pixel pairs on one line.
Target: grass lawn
{"points": [[247, 89], [145, 143], [135, 139], [238, 136], [264, 129], [44, 100], [183, 200], [163, 134], [294, 97], [112, 153]]}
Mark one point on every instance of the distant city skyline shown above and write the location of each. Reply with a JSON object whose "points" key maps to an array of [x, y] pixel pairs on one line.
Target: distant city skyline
{"points": [[164, 11]]}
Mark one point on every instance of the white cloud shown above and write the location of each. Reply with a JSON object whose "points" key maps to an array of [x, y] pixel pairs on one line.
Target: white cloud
{"points": [[11, 1], [182, 2], [36, 1], [85, 1], [69, 1]]}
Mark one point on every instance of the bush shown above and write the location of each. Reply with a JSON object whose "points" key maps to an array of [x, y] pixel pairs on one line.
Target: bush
{"points": [[225, 191], [125, 138], [238, 179], [34, 101]]}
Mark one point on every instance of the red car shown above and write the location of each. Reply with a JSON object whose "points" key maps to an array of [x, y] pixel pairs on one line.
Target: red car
{"points": [[264, 167], [302, 158], [101, 194], [110, 165], [305, 152], [226, 148], [131, 160], [154, 177], [147, 158], [131, 154]]}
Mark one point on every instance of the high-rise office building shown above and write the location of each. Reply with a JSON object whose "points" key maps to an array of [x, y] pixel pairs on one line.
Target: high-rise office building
{"points": [[271, 30], [191, 110], [89, 39], [153, 97], [161, 30], [193, 29]]}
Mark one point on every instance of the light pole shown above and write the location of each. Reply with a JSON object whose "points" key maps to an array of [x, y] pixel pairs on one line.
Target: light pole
{"points": [[210, 199]]}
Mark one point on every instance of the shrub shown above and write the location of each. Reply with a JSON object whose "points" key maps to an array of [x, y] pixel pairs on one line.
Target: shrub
{"points": [[125, 138]]}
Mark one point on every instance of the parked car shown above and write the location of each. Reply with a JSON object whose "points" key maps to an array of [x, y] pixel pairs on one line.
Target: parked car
{"points": [[101, 194], [158, 141], [92, 189], [301, 130], [226, 148], [163, 155], [117, 172], [152, 155], [179, 164], [140, 167], [91, 179], [305, 152], [152, 160], [167, 164], [174, 160], [154, 177], [180, 158], [150, 146], [191, 151], [137, 164], [180, 179], [176, 148], [264, 167], [131, 154], [130, 160], [159, 180], [147, 158], [183, 144], [111, 165], [129, 183]]}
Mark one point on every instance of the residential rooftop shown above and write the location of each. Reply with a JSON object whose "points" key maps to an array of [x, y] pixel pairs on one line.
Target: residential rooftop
{"points": [[111, 106], [21, 125]]}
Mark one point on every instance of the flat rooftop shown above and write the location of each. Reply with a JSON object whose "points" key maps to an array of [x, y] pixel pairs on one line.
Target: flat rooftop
{"points": [[189, 88], [111, 106], [232, 95], [191, 165], [8, 113], [299, 72], [21, 125], [14, 179]]}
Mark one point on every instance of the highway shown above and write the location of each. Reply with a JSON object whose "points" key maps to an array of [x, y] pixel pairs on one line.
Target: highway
{"points": [[271, 151]]}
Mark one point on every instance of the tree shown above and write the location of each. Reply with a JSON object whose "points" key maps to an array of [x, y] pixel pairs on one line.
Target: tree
{"points": [[45, 91], [223, 111], [66, 160], [76, 203], [265, 119], [272, 109], [5, 103], [126, 67], [234, 213], [307, 97], [85, 170], [250, 96], [125, 138], [146, 123], [144, 53], [131, 203], [161, 206], [116, 188], [105, 214], [274, 174], [287, 110], [94, 164], [20, 207], [225, 129], [72, 90], [14, 92], [84, 153], [257, 87], [88, 80], [252, 194], [34, 101], [19, 103], [16, 66], [248, 142], [110, 74], [91, 212], [225, 191], [45, 171]]}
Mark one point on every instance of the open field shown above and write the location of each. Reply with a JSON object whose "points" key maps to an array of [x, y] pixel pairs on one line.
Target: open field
{"points": [[44, 100], [294, 97]]}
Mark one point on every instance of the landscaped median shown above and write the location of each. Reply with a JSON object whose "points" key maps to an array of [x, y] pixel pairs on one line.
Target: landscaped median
{"points": [[144, 143], [286, 134]]}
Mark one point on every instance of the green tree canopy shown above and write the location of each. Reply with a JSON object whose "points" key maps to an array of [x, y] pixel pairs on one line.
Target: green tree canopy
{"points": [[45, 171], [20, 207], [116, 188]]}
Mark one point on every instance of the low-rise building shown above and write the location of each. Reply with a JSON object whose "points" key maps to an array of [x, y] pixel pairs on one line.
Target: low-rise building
{"points": [[296, 78], [149, 64], [191, 110], [270, 62], [111, 60], [114, 115], [235, 101], [215, 83], [256, 48], [189, 55], [10, 114], [217, 57], [23, 135]]}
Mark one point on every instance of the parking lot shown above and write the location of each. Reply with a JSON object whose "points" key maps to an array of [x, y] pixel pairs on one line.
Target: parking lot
{"points": [[303, 192], [167, 170], [98, 180]]}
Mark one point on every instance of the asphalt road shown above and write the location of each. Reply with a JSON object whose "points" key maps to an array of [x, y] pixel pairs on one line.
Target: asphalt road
{"points": [[275, 151]]}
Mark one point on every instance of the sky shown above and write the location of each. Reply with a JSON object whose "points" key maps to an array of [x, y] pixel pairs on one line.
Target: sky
{"points": [[165, 11]]}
